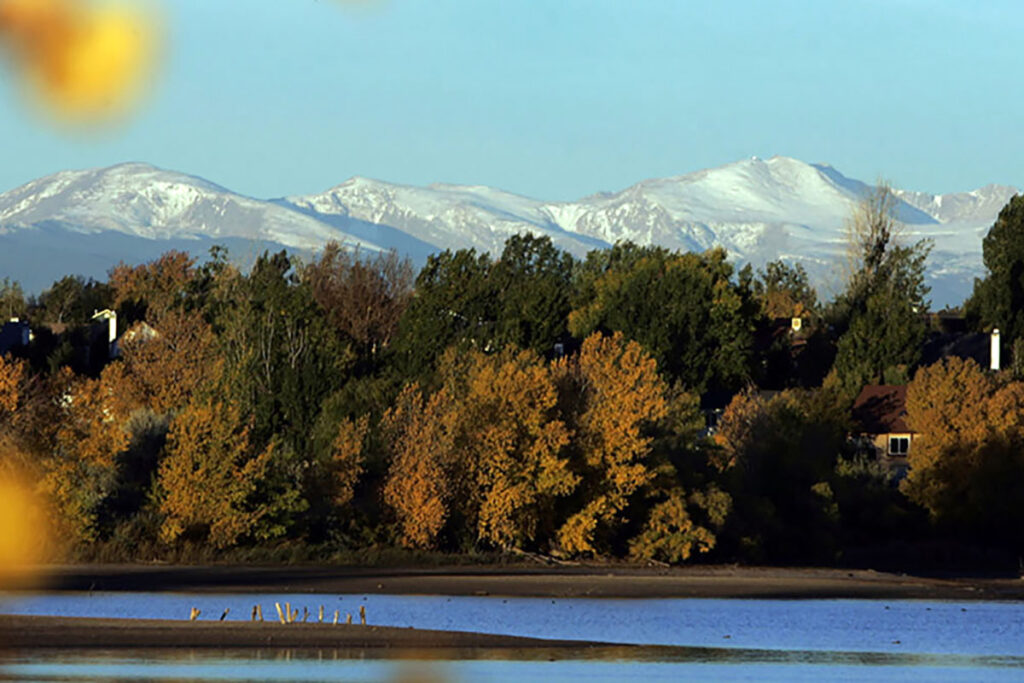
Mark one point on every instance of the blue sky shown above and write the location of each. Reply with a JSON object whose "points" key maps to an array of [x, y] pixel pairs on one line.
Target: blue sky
{"points": [[557, 99]]}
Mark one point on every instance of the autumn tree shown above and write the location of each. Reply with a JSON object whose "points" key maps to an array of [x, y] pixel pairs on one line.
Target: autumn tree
{"points": [[613, 394], [363, 296], [420, 435], [512, 446], [171, 359], [12, 374], [209, 478], [486, 450], [155, 287], [82, 470], [967, 464], [348, 456]]}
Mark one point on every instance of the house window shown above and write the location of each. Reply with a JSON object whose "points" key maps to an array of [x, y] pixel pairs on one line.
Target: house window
{"points": [[899, 445]]}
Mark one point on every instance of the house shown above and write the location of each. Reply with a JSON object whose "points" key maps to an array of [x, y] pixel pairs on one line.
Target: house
{"points": [[140, 332], [14, 334], [879, 417]]}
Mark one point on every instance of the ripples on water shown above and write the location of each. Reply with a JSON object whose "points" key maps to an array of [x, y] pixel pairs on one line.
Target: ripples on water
{"points": [[722, 639]]}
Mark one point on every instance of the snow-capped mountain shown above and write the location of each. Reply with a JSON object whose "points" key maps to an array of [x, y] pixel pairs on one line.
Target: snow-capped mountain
{"points": [[757, 209], [143, 201]]}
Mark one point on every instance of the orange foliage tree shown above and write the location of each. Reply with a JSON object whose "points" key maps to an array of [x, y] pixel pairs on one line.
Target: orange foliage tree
{"points": [[157, 286], [514, 445], [12, 374], [208, 477], [420, 434], [489, 446], [967, 462], [618, 395], [347, 458], [171, 360], [82, 470]]}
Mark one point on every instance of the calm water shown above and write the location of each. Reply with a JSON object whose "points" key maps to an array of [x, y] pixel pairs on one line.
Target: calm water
{"points": [[724, 639]]}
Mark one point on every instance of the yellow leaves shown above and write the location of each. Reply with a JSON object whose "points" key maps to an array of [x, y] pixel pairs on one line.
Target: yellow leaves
{"points": [[620, 394], [576, 536], [208, 475], [488, 445], [172, 360], [84, 62], [670, 534], [82, 471], [160, 285], [95, 411], [12, 374], [969, 427], [348, 457], [26, 540], [420, 435]]}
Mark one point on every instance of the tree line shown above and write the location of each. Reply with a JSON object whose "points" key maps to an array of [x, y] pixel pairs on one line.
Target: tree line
{"points": [[530, 402]]}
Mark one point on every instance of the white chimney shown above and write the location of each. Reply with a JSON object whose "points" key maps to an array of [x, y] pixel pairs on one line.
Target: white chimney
{"points": [[994, 352]]}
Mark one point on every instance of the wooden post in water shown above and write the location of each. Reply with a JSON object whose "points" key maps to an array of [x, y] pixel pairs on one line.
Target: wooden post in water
{"points": [[335, 617], [252, 617], [280, 614], [348, 617], [305, 614], [225, 614], [362, 614], [194, 614], [320, 618]]}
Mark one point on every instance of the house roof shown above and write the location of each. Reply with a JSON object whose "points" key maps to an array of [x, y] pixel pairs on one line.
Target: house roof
{"points": [[881, 409], [975, 346]]}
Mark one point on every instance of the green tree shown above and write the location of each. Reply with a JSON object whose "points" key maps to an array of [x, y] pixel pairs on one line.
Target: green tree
{"points": [[784, 291], [778, 456], [282, 360], [12, 300], [73, 299], [682, 308], [456, 304], [533, 279], [881, 314], [998, 298]]}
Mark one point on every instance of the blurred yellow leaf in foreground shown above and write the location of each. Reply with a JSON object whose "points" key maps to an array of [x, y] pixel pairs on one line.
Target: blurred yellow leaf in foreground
{"points": [[82, 61]]}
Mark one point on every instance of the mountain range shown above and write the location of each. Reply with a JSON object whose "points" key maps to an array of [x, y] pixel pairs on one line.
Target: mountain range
{"points": [[758, 209]]}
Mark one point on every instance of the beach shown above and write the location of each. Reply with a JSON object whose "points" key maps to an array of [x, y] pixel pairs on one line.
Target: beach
{"points": [[590, 581]]}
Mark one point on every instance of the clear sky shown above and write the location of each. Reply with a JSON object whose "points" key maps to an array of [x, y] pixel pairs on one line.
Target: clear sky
{"points": [[557, 99]]}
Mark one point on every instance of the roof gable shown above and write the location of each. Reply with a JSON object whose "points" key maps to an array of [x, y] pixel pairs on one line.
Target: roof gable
{"points": [[881, 409]]}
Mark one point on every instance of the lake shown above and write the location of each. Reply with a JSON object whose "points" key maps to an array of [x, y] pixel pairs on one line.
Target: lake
{"points": [[724, 639]]}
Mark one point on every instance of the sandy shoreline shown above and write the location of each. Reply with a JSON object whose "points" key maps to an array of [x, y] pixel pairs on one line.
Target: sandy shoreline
{"points": [[533, 581], [29, 632]]}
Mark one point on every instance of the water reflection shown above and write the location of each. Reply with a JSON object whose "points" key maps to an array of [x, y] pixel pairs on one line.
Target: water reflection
{"points": [[613, 663]]}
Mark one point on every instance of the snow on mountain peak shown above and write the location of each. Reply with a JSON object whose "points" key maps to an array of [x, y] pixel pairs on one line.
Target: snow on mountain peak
{"points": [[758, 209]]}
